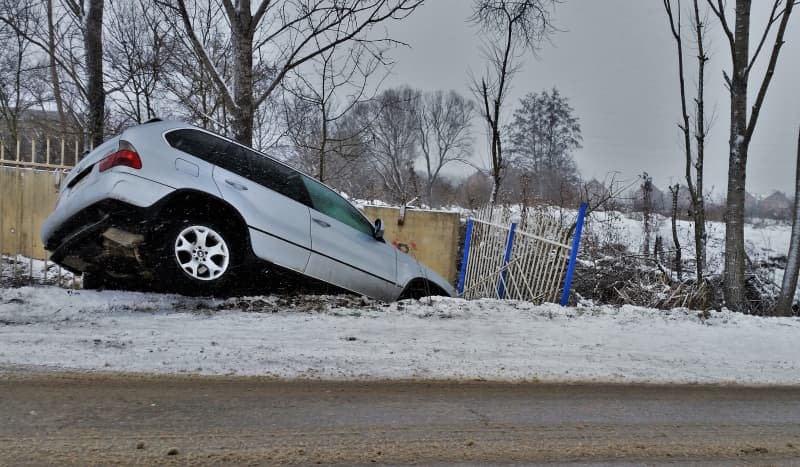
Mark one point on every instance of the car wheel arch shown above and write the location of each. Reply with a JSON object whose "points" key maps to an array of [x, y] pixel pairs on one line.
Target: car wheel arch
{"points": [[188, 202], [419, 287]]}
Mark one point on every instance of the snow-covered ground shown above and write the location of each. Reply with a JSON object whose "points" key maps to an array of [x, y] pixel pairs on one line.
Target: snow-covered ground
{"points": [[18, 269], [343, 338]]}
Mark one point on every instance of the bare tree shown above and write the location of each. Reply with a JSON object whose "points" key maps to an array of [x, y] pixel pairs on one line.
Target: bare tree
{"points": [[340, 79], [444, 121], [339, 145], [783, 306], [475, 191], [391, 139], [742, 125], [694, 160], [510, 28], [16, 67], [62, 39], [271, 38], [137, 52], [190, 87]]}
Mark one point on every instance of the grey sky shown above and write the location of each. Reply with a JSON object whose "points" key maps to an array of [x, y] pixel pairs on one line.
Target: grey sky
{"points": [[616, 62]]}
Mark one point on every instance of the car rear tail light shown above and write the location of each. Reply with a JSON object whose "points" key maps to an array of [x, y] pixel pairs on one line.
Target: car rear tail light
{"points": [[125, 156]]}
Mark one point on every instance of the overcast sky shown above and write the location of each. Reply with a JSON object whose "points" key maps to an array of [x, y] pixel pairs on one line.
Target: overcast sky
{"points": [[616, 62]]}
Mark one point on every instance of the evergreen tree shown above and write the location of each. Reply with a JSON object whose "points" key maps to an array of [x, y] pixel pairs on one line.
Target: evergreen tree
{"points": [[543, 136]]}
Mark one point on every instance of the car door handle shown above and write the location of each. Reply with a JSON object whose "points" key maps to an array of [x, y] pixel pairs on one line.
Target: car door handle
{"points": [[321, 222], [236, 185]]}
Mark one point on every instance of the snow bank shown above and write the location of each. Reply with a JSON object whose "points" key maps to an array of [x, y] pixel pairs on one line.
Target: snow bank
{"points": [[345, 338]]}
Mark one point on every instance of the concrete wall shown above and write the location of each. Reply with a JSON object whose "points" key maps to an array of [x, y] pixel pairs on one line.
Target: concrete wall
{"points": [[429, 236], [27, 197]]}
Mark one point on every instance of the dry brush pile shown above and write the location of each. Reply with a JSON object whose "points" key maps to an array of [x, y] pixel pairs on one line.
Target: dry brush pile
{"points": [[610, 273]]}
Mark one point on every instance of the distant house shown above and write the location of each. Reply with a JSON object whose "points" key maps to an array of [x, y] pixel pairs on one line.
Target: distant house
{"points": [[34, 123], [34, 128]]}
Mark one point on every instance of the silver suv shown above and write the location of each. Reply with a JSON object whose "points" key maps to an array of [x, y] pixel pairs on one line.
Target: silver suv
{"points": [[187, 210]]}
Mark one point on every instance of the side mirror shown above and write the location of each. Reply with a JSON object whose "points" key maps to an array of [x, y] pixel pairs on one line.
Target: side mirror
{"points": [[378, 230]]}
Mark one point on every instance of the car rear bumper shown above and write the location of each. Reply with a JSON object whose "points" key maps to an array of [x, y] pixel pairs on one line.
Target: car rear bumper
{"points": [[96, 235], [116, 185]]}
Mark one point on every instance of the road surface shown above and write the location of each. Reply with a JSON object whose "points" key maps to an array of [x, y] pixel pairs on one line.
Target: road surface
{"points": [[101, 420]]}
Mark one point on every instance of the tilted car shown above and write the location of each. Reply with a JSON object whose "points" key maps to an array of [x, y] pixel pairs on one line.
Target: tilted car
{"points": [[191, 211]]}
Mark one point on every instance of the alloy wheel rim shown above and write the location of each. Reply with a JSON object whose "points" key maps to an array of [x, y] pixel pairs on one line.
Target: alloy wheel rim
{"points": [[202, 253]]}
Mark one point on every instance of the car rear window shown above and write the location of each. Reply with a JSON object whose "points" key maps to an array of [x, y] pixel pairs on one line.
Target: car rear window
{"points": [[199, 144], [242, 161]]}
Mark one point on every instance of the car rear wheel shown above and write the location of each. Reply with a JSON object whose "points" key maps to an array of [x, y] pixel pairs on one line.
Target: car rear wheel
{"points": [[198, 257], [202, 253]]}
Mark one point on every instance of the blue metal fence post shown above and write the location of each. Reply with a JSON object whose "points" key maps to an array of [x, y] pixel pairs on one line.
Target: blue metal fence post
{"points": [[573, 255], [501, 287], [462, 274]]}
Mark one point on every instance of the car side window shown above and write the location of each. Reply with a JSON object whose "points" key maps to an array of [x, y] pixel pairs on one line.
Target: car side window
{"points": [[326, 201], [275, 176]]}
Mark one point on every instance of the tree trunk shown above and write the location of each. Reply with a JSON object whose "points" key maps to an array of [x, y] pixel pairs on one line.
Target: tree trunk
{"points": [[497, 175], [96, 96], [784, 305], [737, 163], [243, 78], [323, 143], [647, 209], [698, 201], [51, 51], [675, 241]]}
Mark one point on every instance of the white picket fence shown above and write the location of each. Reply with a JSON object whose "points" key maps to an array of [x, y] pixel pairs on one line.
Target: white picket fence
{"points": [[522, 258]]}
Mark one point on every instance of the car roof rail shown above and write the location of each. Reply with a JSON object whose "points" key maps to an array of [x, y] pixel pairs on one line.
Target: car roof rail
{"points": [[153, 120]]}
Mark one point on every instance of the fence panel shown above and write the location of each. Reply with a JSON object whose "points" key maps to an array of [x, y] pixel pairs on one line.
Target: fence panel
{"points": [[30, 176], [522, 260]]}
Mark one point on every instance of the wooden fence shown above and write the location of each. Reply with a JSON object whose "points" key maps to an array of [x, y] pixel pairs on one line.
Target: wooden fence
{"points": [[31, 172]]}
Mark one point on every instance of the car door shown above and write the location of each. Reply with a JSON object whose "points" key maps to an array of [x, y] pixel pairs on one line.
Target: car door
{"points": [[271, 198], [344, 249]]}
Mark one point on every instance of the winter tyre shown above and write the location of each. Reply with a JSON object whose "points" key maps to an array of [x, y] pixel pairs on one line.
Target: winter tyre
{"points": [[198, 257]]}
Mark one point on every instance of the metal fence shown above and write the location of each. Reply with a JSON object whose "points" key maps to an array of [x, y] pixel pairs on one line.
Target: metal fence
{"points": [[528, 258], [31, 171]]}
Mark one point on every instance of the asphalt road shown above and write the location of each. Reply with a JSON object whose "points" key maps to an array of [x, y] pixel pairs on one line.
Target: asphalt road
{"points": [[102, 420]]}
